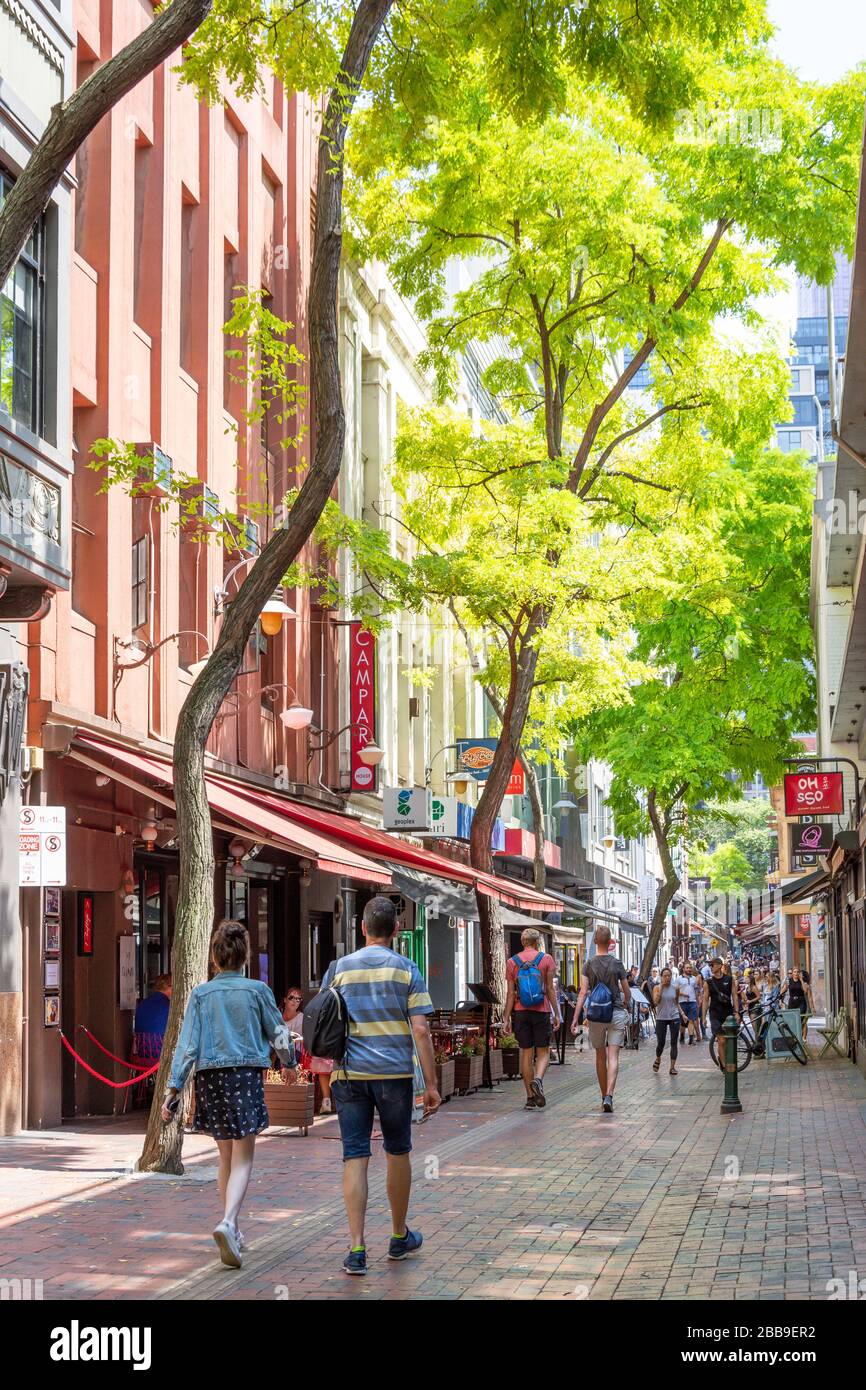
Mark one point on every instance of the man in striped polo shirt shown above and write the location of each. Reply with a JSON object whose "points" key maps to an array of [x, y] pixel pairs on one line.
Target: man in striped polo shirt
{"points": [[387, 1003]]}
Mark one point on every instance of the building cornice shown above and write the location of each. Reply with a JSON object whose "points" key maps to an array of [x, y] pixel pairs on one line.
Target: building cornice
{"points": [[27, 24]]}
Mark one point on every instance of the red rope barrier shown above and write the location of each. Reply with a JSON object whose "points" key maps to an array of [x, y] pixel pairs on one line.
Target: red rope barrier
{"points": [[115, 1085], [130, 1066]]}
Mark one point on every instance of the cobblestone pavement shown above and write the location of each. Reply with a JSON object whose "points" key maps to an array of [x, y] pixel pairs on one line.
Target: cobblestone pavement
{"points": [[667, 1198]]}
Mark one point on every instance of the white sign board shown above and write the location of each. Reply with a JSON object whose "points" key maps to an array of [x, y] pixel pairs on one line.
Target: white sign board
{"points": [[42, 846], [126, 972], [443, 817], [407, 808]]}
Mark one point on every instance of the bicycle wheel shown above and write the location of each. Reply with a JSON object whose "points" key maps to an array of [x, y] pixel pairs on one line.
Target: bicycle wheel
{"points": [[795, 1047], [744, 1052]]}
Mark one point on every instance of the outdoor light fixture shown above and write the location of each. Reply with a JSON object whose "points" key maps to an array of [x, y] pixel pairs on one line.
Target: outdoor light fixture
{"points": [[274, 611], [608, 840], [296, 716], [565, 805], [149, 832], [103, 779], [371, 754], [131, 652]]}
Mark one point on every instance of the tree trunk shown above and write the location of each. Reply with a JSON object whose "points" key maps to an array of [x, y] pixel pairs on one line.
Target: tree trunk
{"points": [[195, 893], [523, 663], [661, 824], [73, 120]]}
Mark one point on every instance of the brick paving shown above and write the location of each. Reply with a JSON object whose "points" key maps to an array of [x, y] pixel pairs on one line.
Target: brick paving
{"points": [[666, 1199]]}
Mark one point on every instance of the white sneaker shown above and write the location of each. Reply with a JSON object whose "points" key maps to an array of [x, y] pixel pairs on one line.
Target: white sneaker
{"points": [[228, 1245]]}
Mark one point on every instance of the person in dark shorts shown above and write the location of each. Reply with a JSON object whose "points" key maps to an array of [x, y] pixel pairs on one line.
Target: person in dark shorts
{"points": [[388, 1006], [533, 1024], [606, 1038], [230, 1025], [721, 997], [797, 994]]}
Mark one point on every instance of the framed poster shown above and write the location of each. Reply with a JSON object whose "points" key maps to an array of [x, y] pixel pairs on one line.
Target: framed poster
{"points": [[51, 936], [52, 902], [126, 972], [51, 971], [52, 1010]]}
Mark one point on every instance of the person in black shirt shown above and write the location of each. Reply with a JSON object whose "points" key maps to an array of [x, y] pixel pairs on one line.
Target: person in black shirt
{"points": [[721, 997], [798, 991]]}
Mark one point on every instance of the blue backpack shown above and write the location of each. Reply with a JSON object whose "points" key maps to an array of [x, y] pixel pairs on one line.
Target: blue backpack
{"points": [[530, 981], [599, 1006]]}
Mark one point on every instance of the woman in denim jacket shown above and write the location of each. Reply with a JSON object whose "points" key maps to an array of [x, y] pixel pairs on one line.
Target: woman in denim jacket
{"points": [[228, 1030]]}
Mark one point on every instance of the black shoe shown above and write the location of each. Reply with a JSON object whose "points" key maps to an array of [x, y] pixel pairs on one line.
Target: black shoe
{"points": [[530, 1103], [607, 1105]]}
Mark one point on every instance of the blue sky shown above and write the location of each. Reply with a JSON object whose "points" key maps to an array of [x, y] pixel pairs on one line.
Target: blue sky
{"points": [[820, 38]]}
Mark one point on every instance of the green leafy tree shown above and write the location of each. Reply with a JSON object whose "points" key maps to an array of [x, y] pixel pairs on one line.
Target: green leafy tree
{"points": [[744, 825], [733, 651], [600, 242], [727, 867]]}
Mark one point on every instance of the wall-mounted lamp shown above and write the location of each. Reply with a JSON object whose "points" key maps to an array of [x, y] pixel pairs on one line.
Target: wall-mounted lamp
{"points": [[131, 652], [370, 753], [274, 611], [294, 716], [149, 833]]}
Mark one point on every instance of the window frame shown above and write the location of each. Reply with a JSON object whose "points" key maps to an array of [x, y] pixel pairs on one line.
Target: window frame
{"points": [[32, 257]]}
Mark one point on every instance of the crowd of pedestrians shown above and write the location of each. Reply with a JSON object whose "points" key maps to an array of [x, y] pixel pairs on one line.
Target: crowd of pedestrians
{"points": [[367, 1036]]}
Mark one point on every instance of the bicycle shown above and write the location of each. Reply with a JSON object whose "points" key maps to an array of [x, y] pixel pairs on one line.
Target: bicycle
{"points": [[751, 1044]]}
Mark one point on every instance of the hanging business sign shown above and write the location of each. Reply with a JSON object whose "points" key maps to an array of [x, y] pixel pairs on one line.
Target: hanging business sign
{"points": [[407, 808], [475, 757], [811, 839], [444, 814], [362, 704], [85, 924], [813, 793], [42, 846]]}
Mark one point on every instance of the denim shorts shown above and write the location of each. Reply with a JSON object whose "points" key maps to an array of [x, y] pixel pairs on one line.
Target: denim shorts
{"points": [[356, 1102], [690, 1009]]}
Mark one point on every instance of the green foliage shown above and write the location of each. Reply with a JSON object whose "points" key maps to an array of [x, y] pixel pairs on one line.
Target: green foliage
{"points": [[733, 653], [728, 868], [742, 824]]}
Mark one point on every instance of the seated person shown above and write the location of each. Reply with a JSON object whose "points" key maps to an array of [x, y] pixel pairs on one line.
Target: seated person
{"points": [[151, 1017]]}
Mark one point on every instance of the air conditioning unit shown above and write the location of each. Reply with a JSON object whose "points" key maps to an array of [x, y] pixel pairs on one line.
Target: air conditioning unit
{"points": [[251, 536], [157, 466]]}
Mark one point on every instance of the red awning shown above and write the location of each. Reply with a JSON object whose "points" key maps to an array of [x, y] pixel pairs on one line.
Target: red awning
{"points": [[256, 813], [349, 831]]}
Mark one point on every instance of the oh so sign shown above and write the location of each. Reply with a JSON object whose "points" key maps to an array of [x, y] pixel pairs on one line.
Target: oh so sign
{"points": [[811, 793]]}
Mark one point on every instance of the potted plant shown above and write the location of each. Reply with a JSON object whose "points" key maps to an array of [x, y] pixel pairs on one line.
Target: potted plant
{"points": [[290, 1103], [468, 1067], [510, 1055], [444, 1073]]}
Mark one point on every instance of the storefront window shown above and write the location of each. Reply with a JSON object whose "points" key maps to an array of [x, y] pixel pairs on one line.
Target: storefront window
{"points": [[20, 330]]}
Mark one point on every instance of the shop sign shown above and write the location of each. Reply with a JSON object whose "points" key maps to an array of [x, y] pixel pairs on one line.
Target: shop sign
{"points": [[126, 972], [407, 808], [362, 704], [811, 839], [813, 793], [42, 846], [803, 927], [451, 819], [85, 924]]}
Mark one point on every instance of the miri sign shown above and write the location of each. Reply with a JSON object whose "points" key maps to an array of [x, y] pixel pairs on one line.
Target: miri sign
{"points": [[813, 793]]}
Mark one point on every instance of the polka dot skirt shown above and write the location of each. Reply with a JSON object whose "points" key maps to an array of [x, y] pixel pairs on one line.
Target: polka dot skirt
{"points": [[230, 1102]]}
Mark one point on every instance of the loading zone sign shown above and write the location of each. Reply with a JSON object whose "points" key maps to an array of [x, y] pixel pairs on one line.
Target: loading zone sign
{"points": [[42, 847]]}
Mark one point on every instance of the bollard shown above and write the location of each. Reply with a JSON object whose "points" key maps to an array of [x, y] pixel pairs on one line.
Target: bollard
{"points": [[731, 1105]]}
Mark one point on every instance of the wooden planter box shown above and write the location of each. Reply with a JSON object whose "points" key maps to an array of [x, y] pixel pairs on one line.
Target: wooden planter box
{"points": [[468, 1073], [497, 1065], [445, 1078], [510, 1061], [291, 1105]]}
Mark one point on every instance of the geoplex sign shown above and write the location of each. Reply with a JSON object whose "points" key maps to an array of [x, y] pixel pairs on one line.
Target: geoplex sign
{"points": [[813, 793]]}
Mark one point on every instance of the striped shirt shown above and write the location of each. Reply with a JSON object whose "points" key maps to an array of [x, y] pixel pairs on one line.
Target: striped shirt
{"points": [[382, 990]]}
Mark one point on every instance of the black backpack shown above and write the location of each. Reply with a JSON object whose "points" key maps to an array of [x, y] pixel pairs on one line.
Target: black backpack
{"points": [[326, 1025]]}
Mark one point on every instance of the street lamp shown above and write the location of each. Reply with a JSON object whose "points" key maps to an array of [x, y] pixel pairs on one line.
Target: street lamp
{"points": [[131, 652]]}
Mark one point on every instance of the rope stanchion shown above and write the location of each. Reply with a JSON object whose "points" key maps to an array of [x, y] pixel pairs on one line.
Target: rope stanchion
{"points": [[115, 1085], [130, 1066]]}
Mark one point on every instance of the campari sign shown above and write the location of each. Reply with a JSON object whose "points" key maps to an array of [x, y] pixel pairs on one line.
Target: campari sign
{"points": [[813, 793], [362, 706]]}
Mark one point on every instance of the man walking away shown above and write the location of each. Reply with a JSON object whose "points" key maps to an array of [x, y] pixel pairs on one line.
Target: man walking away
{"points": [[607, 1037], [532, 999], [387, 1003]]}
